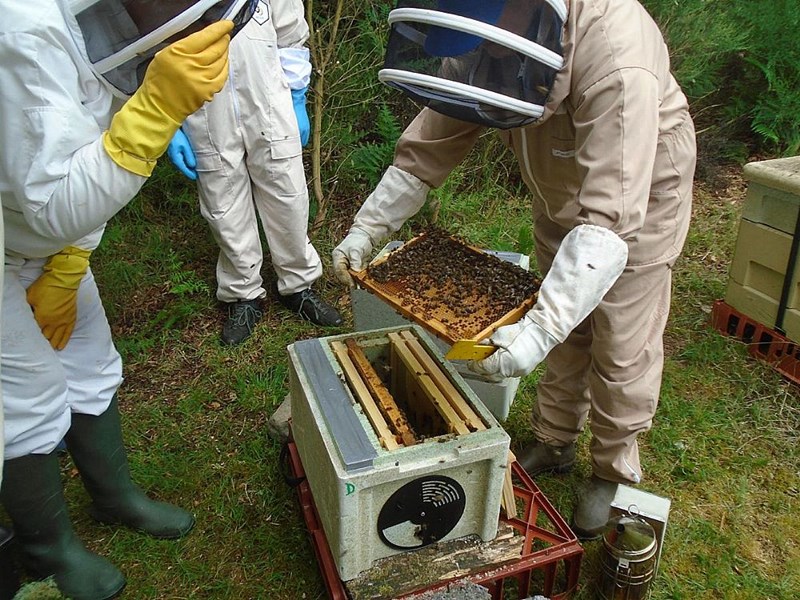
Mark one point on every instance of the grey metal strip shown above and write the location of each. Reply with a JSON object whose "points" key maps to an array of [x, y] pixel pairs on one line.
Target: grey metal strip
{"points": [[345, 429]]}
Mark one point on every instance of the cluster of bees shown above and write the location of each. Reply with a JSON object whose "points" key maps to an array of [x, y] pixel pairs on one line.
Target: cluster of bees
{"points": [[437, 276]]}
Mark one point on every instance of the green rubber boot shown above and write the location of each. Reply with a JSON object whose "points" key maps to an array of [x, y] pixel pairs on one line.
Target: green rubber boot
{"points": [[95, 444], [33, 498], [592, 511], [538, 457]]}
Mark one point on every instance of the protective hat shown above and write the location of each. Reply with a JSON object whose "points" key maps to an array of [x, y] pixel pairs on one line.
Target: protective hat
{"points": [[122, 36], [491, 62], [442, 41]]}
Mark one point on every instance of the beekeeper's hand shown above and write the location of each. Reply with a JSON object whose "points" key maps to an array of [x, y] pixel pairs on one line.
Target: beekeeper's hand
{"points": [[351, 253], [588, 262], [296, 66], [181, 154], [301, 114], [54, 295], [397, 197], [521, 347], [180, 78]]}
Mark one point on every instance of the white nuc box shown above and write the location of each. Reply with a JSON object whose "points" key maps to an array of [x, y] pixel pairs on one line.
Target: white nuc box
{"points": [[398, 451]]}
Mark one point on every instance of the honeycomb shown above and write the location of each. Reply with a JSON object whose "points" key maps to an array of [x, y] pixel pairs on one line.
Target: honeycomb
{"points": [[452, 289]]}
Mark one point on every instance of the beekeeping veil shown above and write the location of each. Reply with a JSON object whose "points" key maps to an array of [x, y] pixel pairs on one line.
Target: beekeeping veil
{"points": [[122, 36], [491, 62]]}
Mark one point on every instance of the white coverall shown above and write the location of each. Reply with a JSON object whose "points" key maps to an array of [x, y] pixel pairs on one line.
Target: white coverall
{"points": [[249, 158], [2, 437], [616, 149], [59, 188]]}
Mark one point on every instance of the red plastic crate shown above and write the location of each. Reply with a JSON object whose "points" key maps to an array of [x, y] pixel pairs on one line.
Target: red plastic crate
{"points": [[550, 561], [762, 342]]}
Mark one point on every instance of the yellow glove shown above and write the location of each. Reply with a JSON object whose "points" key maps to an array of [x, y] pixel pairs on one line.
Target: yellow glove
{"points": [[54, 296], [180, 78]]}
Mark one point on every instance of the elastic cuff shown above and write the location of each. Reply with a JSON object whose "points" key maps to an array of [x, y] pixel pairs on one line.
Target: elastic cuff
{"points": [[134, 164], [364, 231]]}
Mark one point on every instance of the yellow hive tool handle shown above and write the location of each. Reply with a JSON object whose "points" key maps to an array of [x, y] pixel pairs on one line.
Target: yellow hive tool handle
{"points": [[468, 350]]}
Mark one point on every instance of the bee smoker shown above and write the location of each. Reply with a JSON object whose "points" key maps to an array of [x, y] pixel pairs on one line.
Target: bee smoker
{"points": [[628, 559]]}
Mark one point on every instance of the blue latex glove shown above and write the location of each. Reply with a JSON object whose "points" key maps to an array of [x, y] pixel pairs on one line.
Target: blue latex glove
{"points": [[182, 156], [299, 102]]}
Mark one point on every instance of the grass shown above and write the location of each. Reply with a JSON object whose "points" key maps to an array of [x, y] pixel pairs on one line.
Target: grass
{"points": [[723, 447]]}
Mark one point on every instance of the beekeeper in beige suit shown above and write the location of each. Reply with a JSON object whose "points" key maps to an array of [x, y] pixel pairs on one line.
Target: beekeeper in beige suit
{"points": [[583, 94]]}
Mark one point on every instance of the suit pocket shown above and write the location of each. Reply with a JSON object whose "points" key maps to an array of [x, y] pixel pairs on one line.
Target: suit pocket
{"points": [[289, 147], [208, 162], [657, 239]]}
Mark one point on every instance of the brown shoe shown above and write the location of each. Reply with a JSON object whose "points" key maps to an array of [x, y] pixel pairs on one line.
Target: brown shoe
{"points": [[539, 457]]}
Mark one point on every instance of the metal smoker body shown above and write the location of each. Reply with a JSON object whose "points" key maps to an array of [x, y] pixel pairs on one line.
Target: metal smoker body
{"points": [[629, 559]]}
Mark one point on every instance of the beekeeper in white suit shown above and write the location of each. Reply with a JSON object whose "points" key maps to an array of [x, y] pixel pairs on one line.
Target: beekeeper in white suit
{"points": [[73, 155], [245, 151], [601, 130], [2, 437]]}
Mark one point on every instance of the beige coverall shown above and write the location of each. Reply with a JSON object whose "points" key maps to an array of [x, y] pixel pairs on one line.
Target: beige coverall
{"points": [[249, 158], [615, 148]]}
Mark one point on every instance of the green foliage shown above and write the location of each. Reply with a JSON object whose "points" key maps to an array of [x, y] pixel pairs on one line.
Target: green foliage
{"points": [[184, 281], [39, 590], [371, 158], [739, 65], [773, 62]]}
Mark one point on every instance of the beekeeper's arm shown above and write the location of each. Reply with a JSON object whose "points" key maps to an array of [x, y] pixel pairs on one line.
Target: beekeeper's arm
{"points": [[616, 126], [429, 149], [71, 176], [292, 30]]}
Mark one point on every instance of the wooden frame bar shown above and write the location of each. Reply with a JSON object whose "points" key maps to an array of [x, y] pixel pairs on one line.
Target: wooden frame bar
{"points": [[364, 398], [456, 399], [388, 407], [435, 395]]}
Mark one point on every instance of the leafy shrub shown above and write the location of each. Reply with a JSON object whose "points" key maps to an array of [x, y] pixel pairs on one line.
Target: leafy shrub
{"points": [[739, 65]]}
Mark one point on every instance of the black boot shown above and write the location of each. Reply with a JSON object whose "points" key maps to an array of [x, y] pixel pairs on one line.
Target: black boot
{"points": [[309, 305], [33, 498], [95, 444], [593, 509], [243, 316]]}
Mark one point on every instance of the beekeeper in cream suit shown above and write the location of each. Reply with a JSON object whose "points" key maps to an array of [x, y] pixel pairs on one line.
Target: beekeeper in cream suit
{"points": [[583, 94], [245, 149], [73, 154], [2, 437]]}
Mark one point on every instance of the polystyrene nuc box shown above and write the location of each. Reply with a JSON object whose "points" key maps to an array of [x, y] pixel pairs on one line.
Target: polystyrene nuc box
{"points": [[757, 276], [371, 312], [773, 193], [761, 257], [375, 502]]}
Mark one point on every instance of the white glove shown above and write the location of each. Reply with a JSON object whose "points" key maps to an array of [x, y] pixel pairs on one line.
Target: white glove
{"points": [[522, 346], [350, 253], [397, 198], [588, 262]]}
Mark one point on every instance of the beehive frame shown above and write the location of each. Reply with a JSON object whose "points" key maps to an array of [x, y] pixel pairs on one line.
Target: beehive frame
{"points": [[443, 320], [425, 389]]}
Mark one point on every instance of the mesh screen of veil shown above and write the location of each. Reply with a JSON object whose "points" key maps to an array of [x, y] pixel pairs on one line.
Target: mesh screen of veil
{"points": [[122, 36], [491, 62]]}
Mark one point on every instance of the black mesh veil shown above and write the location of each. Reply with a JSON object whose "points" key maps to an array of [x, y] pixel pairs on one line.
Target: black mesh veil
{"points": [[122, 36], [491, 62]]}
